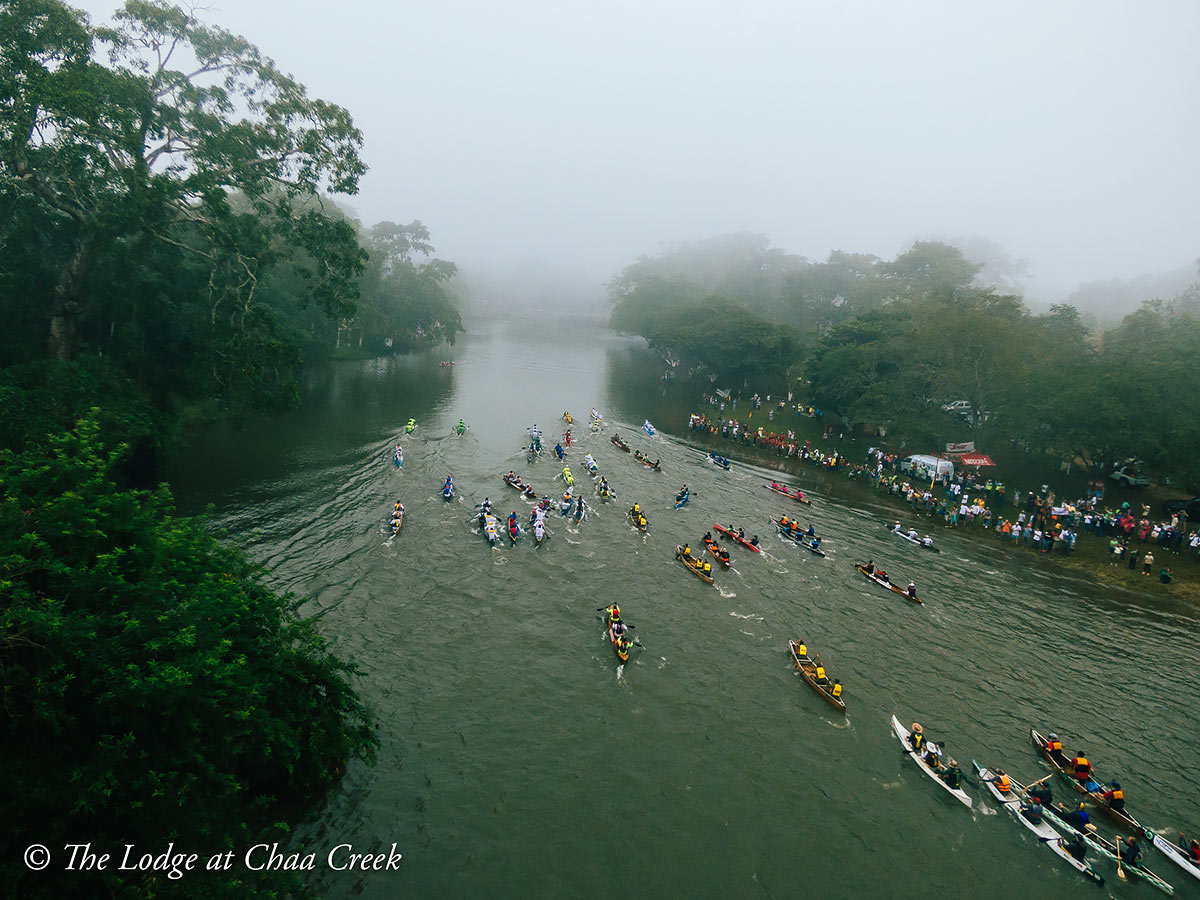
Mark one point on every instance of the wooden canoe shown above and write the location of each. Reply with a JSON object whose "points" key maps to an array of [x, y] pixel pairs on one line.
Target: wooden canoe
{"points": [[691, 566], [1043, 746], [808, 668], [895, 589], [716, 551]]}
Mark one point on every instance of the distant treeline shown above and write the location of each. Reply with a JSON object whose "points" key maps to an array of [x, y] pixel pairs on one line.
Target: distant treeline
{"points": [[887, 343]]}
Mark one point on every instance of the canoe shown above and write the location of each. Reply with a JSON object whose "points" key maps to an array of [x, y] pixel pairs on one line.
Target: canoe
{"points": [[649, 428], [682, 498], [448, 492], [396, 521], [398, 457], [616, 439], [645, 461], [527, 490], [1011, 801], [895, 589], [733, 536], [719, 461], [916, 541], [1173, 853], [634, 520], [782, 489], [902, 734], [699, 573], [808, 668], [1107, 849], [799, 538], [1097, 796], [622, 655], [715, 550]]}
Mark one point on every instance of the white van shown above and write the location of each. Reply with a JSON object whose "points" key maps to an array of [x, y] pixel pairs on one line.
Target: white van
{"points": [[928, 466]]}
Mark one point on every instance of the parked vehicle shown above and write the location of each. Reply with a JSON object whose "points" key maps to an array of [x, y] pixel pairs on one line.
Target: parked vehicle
{"points": [[1129, 472], [927, 466], [1190, 508]]}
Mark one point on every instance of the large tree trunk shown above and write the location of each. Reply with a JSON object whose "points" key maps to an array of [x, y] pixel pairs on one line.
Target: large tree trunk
{"points": [[63, 337]]}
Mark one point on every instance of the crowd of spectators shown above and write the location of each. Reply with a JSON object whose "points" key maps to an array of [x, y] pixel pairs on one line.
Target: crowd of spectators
{"points": [[1036, 520]]}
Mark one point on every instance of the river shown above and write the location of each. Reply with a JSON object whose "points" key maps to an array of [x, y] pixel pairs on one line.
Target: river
{"points": [[516, 758]]}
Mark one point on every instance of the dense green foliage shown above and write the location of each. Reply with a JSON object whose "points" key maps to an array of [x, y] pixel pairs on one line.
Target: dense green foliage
{"points": [[166, 249], [154, 689], [887, 343], [162, 205]]}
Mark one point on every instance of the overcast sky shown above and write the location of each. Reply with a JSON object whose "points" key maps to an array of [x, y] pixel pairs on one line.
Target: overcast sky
{"points": [[590, 133]]}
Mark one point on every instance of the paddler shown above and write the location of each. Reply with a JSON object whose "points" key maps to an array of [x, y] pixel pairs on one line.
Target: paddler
{"points": [[912, 590], [412, 423], [801, 648], [1075, 845], [1077, 818], [916, 740], [1031, 809], [1001, 780], [1192, 850], [836, 690], [1130, 852], [1041, 790], [952, 776], [869, 568], [1083, 768], [1054, 745], [462, 427], [1115, 797]]}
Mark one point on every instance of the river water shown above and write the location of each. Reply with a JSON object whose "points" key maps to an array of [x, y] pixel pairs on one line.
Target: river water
{"points": [[517, 759]]}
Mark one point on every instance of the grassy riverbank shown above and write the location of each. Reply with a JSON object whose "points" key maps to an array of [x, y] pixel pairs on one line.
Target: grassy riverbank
{"points": [[1019, 467]]}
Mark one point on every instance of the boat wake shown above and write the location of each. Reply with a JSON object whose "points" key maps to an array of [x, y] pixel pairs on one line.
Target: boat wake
{"points": [[728, 595], [620, 671], [845, 723], [738, 615]]}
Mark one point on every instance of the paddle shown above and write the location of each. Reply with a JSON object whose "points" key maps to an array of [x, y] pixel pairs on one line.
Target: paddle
{"points": [[1120, 871]]}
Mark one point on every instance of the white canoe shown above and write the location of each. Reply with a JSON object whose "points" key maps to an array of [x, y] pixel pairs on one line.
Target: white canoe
{"points": [[1173, 853], [1047, 835], [903, 734]]}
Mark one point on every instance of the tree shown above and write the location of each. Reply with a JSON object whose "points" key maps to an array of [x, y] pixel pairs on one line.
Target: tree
{"points": [[156, 144], [154, 688]]}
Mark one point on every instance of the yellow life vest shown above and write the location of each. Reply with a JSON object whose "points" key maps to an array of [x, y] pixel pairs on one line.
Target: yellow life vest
{"points": [[820, 673], [801, 650], [837, 690]]}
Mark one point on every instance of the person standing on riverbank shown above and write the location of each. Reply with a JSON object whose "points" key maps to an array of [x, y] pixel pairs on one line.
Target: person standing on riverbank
{"points": [[1147, 562]]}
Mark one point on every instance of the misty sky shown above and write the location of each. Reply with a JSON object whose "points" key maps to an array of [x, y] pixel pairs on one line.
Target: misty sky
{"points": [[589, 133]]}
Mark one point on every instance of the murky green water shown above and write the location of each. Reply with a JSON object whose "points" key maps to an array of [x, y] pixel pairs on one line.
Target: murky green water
{"points": [[517, 761]]}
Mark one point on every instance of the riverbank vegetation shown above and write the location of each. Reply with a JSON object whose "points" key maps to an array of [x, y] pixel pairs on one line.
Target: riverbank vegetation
{"points": [[882, 346], [171, 253]]}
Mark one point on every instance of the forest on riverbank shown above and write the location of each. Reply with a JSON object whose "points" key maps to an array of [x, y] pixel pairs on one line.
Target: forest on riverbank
{"points": [[884, 345], [172, 254]]}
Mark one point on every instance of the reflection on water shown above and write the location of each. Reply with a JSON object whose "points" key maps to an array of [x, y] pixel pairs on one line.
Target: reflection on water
{"points": [[515, 761]]}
